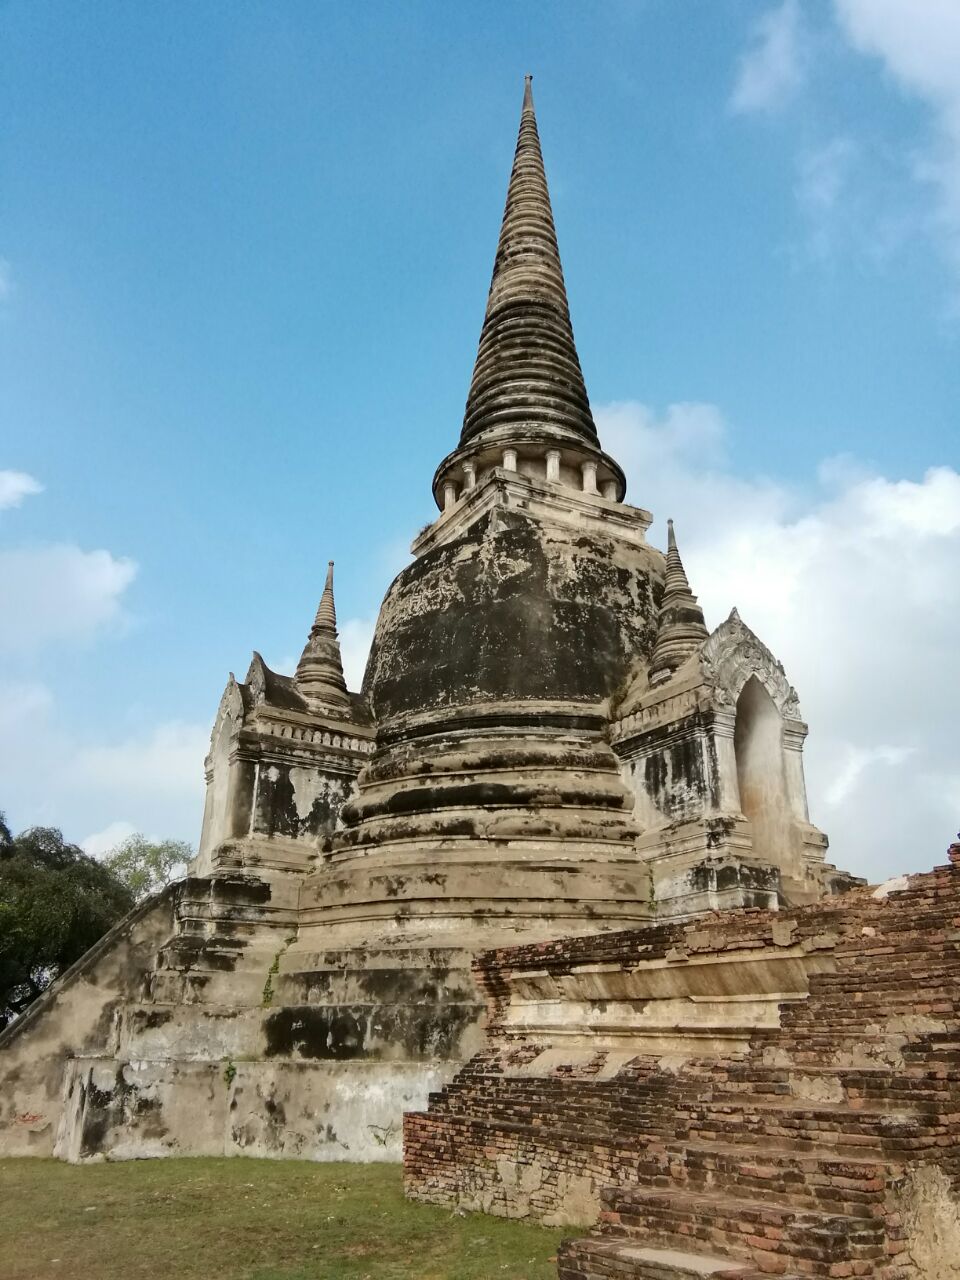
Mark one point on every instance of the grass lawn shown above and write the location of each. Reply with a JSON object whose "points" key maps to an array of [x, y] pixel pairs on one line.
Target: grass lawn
{"points": [[247, 1220]]}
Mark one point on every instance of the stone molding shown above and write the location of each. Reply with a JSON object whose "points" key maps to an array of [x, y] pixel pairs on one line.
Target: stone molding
{"points": [[732, 654], [539, 497]]}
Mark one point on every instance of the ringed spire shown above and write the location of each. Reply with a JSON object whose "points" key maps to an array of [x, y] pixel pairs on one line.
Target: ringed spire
{"points": [[527, 373], [682, 626], [319, 674]]}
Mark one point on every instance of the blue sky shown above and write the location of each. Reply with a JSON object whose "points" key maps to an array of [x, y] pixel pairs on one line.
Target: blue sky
{"points": [[245, 252]]}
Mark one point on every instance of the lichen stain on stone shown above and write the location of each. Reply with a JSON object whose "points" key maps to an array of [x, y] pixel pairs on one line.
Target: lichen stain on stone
{"points": [[931, 1219]]}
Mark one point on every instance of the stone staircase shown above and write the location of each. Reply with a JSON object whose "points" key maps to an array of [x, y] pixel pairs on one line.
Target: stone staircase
{"points": [[790, 1160]]}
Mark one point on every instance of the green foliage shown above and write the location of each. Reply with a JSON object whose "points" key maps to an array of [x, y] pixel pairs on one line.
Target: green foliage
{"points": [[267, 999], [55, 902], [145, 866], [229, 1072], [272, 972]]}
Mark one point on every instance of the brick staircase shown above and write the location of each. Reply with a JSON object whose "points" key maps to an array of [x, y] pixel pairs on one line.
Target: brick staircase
{"points": [[786, 1161]]}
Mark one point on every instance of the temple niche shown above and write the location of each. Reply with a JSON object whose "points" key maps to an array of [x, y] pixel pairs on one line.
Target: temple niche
{"points": [[711, 738], [549, 743]]}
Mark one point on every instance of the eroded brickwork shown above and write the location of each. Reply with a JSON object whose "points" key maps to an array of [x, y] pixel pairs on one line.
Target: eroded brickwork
{"points": [[827, 1144]]}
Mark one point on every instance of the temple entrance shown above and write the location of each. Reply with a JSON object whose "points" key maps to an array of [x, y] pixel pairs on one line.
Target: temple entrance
{"points": [[758, 744]]}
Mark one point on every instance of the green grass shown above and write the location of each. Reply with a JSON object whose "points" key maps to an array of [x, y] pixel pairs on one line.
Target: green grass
{"points": [[247, 1220]]}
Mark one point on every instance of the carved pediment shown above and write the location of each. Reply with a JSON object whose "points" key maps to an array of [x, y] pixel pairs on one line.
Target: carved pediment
{"points": [[732, 654], [229, 715]]}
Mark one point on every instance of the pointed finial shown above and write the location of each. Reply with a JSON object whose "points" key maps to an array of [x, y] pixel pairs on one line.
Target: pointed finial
{"points": [[327, 612], [682, 627], [676, 579], [319, 673], [527, 373]]}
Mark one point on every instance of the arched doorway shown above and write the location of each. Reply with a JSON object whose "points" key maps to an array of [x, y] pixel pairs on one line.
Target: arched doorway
{"points": [[758, 745]]}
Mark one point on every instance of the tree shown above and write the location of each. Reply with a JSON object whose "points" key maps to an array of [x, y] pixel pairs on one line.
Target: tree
{"points": [[55, 903], [145, 866]]}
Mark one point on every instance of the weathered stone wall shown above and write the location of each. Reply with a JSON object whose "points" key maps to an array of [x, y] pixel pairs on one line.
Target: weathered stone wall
{"points": [[275, 1108], [75, 1016], [765, 1088], [189, 1030], [296, 801], [459, 626]]}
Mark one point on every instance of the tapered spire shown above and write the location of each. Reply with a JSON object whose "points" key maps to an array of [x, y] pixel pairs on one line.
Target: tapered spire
{"points": [[527, 375], [682, 628], [319, 673]]}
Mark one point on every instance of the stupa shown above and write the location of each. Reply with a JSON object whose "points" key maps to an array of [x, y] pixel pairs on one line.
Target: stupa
{"points": [[549, 742]]}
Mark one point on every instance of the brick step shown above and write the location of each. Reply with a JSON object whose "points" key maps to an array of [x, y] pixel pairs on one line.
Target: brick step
{"points": [[895, 987], [852, 1024], [918, 1094], [741, 1101], [780, 1123], [803, 1129], [782, 1154], [912, 967], [896, 1147], [862, 972], [842, 1020], [771, 1234], [914, 1094], [608, 1095], [836, 1183], [582, 1097], [754, 1074], [860, 976], [810, 1051], [542, 1135], [800, 1143], [592, 1259]]}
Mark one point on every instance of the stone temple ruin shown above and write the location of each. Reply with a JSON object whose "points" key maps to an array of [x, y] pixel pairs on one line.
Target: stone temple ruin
{"points": [[547, 887]]}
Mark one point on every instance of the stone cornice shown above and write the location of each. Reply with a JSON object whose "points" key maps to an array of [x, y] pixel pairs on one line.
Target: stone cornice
{"points": [[541, 499]]}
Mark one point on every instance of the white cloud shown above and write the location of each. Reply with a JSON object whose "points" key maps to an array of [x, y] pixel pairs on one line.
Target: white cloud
{"points": [[103, 842], [858, 761], [772, 68], [855, 584], [59, 592], [918, 45], [286, 666], [866, 193], [822, 174], [16, 485], [20, 703], [919, 40], [83, 781], [355, 637], [166, 760]]}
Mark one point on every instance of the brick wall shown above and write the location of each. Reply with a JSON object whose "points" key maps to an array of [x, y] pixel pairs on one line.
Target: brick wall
{"points": [[795, 1153]]}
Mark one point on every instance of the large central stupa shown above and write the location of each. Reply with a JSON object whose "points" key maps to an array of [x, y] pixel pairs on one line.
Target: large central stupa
{"points": [[549, 742]]}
